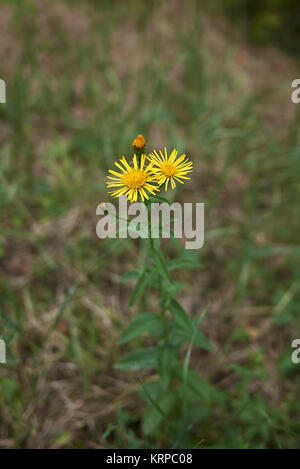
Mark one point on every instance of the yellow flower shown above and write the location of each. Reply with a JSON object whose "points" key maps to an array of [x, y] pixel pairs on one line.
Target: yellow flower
{"points": [[133, 181], [168, 169], [139, 142]]}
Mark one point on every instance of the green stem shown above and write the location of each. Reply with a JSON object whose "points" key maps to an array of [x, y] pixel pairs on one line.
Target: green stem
{"points": [[138, 155], [163, 311]]}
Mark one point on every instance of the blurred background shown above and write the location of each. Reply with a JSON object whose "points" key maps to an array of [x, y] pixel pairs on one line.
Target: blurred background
{"points": [[212, 79]]}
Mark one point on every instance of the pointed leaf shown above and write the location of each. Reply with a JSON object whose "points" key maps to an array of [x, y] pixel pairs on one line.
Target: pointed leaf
{"points": [[143, 322], [141, 359], [132, 275], [139, 287]]}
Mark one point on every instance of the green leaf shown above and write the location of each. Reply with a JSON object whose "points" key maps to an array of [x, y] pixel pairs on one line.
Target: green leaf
{"points": [[185, 327], [165, 357], [159, 199], [183, 262], [139, 287], [184, 380], [179, 315], [201, 387], [9, 387], [8, 322], [163, 402], [155, 404], [141, 359], [62, 439], [174, 288], [201, 341], [186, 336], [132, 275], [110, 428], [161, 266], [196, 414], [143, 322]]}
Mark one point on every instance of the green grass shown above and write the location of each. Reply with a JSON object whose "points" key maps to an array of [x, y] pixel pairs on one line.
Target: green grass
{"points": [[83, 78]]}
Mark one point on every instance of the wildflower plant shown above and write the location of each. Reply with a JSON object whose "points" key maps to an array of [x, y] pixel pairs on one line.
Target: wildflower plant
{"points": [[174, 393]]}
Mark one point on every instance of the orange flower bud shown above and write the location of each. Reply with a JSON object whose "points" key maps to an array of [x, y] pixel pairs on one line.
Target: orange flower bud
{"points": [[139, 142]]}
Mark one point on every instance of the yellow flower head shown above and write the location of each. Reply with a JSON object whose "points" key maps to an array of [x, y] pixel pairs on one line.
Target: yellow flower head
{"points": [[133, 181], [139, 142], [169, 169]]}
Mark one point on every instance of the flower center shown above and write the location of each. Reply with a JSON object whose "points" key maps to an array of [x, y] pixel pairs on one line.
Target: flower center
{"points": [[169, 169], [134, 179]]}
